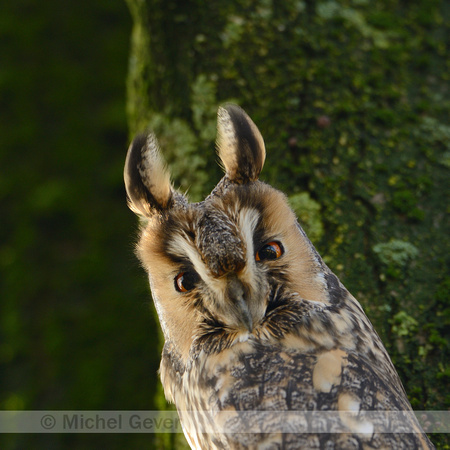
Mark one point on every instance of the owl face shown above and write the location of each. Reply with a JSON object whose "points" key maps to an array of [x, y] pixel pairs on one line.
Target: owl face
{"points": [[219, 266]]}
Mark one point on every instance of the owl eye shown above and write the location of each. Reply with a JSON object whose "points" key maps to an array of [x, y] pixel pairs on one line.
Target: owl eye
{"points": [[186, 281], [272, 250]]}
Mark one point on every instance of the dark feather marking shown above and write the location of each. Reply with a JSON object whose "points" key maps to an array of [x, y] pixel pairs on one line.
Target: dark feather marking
{"points": [[249, 153], [213, 336], [137, 191], [140, 194], [335, 291]]}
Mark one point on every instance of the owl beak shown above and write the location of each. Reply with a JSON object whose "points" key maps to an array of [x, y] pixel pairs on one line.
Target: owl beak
{"points": [[244, 314], [236, 294]]}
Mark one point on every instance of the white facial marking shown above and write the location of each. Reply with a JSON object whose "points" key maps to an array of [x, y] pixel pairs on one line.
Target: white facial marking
{"points": [[181, 244], [247, 221]]}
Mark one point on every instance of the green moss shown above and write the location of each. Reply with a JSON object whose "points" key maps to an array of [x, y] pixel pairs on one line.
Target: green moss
{"points": [[308, 212]]}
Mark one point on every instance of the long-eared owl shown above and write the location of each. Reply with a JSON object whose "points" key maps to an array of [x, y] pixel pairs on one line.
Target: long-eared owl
{"points": [[264, 347]]}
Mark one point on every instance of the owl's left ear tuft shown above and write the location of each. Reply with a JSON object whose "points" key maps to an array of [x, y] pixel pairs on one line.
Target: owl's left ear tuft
{"points": [[147, 180], [239, 144]]}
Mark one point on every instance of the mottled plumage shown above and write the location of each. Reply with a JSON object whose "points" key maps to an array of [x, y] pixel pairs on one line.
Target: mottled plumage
{"points": [[254, 321]]}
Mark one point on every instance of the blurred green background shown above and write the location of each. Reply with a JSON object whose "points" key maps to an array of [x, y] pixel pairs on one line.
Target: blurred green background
{"points": [[352, 99]]}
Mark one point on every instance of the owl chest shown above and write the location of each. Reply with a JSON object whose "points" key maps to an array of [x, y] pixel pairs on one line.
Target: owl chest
{"points": [[240, 397], [258, 376], [248, 376]]}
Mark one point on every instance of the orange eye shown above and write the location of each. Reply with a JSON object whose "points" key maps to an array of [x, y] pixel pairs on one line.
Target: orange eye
{"points": [[272, 250], [186, 281]]}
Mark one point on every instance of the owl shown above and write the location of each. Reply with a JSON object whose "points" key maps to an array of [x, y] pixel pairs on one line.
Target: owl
{"points": [[264, 347]]}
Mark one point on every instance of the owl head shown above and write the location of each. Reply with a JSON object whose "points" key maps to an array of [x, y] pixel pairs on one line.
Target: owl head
{"points": [[221, 266]]}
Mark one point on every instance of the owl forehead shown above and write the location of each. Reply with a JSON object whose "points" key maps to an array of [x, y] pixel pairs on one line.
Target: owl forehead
{"points": [[219, 241], [220, 232], [215, 234]]}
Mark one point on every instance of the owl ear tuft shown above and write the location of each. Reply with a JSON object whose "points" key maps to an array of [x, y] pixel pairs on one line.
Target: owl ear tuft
{"points": [[239, 144], [147, 180]]}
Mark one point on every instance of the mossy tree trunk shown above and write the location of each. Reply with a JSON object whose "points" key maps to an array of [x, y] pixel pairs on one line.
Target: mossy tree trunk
{"points": [[352, 101]]}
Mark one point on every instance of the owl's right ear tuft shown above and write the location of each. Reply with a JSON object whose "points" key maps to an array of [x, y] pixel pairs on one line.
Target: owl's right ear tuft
{"points": [[147, 180], [239, 144]]}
